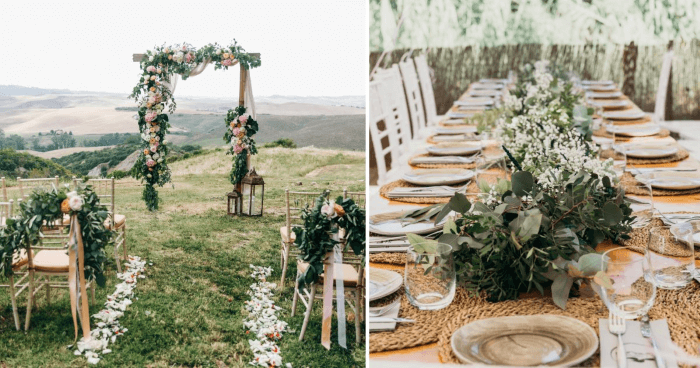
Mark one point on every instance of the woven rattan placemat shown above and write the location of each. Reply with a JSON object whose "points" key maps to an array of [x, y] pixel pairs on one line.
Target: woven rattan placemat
{"points": [[439, 166], [395, 258], [679, 307], [639, 238], [681, 155], [630, 185], [469, 137], [643, 120], [386, 188]]}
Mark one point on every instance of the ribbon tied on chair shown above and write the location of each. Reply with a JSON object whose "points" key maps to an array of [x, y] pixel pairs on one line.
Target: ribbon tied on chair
{"points": [[76, 280]]}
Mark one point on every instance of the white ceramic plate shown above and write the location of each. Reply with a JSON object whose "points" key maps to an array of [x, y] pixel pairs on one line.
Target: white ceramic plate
{"points": [[624, 115], [602, 82], [610, 103], [455, 149], [459, 130], [600, 87], [480, 85], [383, 283], [449, 138], [474, 101], [390, 224], [640, 130], [441, 160], [604, 94], [485, 92], [493, 80], [649, 150], [538, 340], [671, 180], [429, 177]]}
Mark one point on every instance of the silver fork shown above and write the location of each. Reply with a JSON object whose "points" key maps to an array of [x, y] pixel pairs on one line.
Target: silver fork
{"points": [[616, 326]]}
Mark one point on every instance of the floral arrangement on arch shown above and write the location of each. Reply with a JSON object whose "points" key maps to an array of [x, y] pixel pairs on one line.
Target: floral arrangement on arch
{"points": [[240, 129], [314, 240], [154, 97]]}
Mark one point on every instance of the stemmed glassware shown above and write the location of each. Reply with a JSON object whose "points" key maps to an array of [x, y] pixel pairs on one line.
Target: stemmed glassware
{"points": [[670, 256]]}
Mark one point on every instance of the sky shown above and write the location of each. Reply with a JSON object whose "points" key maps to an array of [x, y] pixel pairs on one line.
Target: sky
{"points": [[308, 48]]}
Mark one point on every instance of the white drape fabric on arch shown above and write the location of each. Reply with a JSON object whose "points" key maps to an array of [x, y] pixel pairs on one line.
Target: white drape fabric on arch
{"points": [[249, 102]]}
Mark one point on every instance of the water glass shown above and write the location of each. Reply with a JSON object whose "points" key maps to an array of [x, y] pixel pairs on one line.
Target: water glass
{"points": [[430, 276], [619, 160], [642, 205], [632, 294], [670, 256]]}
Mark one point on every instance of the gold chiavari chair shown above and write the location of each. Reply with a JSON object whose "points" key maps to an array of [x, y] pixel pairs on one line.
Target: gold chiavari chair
{"points": [[49, 267], [358, 197], [295, 202], [27, 186], [104, 189], [17, 281], [353, 283]]}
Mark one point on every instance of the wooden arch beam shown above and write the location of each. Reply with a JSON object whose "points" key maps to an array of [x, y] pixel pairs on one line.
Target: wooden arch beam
{"points": [[241, 92]]}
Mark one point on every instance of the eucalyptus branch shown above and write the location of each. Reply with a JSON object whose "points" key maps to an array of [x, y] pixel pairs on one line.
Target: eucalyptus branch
{"points": [[584, 201]]}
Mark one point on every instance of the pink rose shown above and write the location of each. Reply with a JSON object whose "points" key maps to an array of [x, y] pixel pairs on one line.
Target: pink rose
{"points": [[243, 118], [236, 131], [237, 149], [188, 57], [227, 62], [151, 116], [151, 69], [154, 148], [150, 163], [152, 100]]}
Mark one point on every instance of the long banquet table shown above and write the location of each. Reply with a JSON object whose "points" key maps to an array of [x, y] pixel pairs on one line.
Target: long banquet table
{"points": [[429, 353]]}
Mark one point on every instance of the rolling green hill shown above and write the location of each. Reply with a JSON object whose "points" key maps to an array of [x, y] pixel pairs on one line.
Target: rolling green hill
{"points": [[17, 164]]}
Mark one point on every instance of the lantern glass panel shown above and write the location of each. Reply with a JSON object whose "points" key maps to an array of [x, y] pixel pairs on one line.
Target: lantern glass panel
{"points": [[253, 199]]}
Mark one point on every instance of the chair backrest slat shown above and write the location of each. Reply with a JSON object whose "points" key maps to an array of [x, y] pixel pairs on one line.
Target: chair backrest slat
{"points": [[104, 189], [27, 186], [295, 201], [426, 86], [358, 197], [413, 96], [6, 209], [661, 93]]}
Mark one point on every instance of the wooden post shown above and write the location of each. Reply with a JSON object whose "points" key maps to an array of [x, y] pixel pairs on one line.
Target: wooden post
{"points": [[241, 102], [669, 89]]}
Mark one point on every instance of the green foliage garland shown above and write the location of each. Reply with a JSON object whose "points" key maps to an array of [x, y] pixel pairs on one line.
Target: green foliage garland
{"points": [[314, 239], [44, 207], [154, 97], [240, 129]]}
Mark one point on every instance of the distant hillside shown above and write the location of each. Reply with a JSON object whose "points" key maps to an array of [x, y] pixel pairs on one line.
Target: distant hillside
{"points": [[29, 91], [17, 164], [324, 131]]}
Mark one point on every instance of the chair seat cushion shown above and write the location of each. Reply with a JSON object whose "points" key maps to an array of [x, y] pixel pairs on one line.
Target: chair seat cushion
{"points": [[20, 259], [51, 261], [350, 275], [285, 237], [119, 221]]}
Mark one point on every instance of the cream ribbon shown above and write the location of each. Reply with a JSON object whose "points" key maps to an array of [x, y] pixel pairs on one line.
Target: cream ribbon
{"points": [[76, 280]]}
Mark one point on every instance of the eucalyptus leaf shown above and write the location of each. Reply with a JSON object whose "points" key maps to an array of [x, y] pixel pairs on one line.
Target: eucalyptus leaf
{"points": [[560, 289], [522, 182]]}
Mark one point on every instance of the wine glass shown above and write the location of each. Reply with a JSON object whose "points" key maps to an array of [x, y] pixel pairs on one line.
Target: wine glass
{"points": [[430, 277], [631, 294]]}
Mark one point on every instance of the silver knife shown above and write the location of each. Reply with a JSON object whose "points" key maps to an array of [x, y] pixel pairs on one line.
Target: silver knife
{"points": [[646, 332]]}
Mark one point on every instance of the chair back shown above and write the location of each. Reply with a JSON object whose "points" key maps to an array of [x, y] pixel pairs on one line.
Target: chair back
{"points": [[104, 189], [295, 202], [382, 130], [5, 212], [426, 87], [413, 96], [661, 93], [27, 186], [358, 197], [3, 190]]}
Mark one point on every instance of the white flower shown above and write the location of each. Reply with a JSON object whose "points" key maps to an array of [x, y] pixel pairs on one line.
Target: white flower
{"points": [[75, 201], [328, 209]]}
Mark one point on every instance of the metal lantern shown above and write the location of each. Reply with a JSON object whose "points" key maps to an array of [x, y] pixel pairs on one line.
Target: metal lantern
{"points": [[253, 192], [234, 203]]}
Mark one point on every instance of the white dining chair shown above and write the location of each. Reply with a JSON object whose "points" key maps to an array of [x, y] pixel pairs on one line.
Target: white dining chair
{"points": [[413, 97], [661, 93], [383, 132], [426, 86]]}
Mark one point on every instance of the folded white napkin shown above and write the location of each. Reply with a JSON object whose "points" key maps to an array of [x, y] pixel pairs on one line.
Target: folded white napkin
{"points": [[636, 345]]}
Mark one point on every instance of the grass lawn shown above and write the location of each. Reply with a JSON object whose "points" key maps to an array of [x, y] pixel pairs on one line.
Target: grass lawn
{"points": [[189, 309]]}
